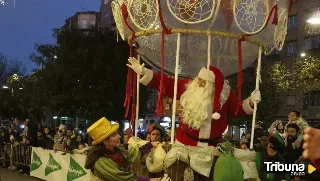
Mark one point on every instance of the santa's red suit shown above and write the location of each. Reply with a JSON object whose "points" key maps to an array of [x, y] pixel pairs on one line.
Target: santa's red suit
{"points": [[225, 105]]}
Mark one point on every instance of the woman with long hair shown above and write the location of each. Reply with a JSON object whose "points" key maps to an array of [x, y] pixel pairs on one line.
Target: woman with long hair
{"points": [[277, 127], [109, 162]]}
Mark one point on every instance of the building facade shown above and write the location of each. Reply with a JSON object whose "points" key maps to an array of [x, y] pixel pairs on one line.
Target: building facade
{"points": [[106, 16], [83, 21], [303, 39]]}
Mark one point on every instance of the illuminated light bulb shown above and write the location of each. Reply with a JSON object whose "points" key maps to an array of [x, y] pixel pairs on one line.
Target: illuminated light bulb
{"points": [[315, 20]]}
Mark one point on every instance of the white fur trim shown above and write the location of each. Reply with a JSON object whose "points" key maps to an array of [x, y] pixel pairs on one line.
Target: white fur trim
{"points": [[204, 132], [206, 74], [135, 141], [225, 93], [216, 116], [147, 77], [247, 161], [155, 159], [246, 107]]}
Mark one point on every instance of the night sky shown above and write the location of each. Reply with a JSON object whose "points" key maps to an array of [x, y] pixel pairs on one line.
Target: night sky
{"points": [[32, 21]]}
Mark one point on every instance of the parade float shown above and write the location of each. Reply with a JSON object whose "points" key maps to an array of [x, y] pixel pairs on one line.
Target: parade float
{"points": [[179, 37]]}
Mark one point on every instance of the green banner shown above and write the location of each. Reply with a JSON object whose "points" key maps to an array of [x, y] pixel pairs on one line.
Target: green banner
{"points": [[36, 162], [52, 166], [75, 170]]}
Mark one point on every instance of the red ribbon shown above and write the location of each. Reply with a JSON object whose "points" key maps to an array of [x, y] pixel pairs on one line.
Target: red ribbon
{"points": [[165, 31], [131, 76], [274, 11], [290, 5]]}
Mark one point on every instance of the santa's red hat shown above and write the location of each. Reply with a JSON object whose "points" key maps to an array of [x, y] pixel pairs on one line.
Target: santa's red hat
{"points": [[215, 76]]}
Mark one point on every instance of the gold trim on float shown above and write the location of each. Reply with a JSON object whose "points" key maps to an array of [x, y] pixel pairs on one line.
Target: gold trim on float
{"points": [[200, 32]]}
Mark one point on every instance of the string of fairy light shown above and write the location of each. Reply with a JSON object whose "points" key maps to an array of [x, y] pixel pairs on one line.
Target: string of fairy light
{"points": [[312, 29]]}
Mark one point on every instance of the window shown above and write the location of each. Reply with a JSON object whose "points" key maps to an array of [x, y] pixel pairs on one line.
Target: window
{"points": [[292, 49], [105, 15], [311, 99], [314, 100], [84, 23], [292, 22], [93, 23], [311, 43], [291, 101], [306, 101], [106, 1]]}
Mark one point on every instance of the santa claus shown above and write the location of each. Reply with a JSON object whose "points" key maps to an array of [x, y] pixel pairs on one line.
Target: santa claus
{"points": [[207, 102]]}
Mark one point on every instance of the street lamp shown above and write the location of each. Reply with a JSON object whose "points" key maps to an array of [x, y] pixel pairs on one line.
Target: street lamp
{"points": [[303, 54], [5, 87], [315, 20]]}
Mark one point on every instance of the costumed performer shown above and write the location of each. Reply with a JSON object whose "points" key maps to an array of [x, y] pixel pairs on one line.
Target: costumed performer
{"points": [[207, 102], [108, 161], [157, 132]]}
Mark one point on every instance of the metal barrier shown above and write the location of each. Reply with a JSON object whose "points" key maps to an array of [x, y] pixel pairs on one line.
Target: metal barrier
{"points": [[15, 155], [21, 155], [5, 154]]}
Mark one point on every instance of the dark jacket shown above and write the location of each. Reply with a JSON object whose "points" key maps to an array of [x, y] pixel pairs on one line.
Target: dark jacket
{"points": [[292, 155]]}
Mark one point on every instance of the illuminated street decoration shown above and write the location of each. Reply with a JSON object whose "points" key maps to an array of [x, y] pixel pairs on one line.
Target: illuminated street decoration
{"points": [[2, 2]]}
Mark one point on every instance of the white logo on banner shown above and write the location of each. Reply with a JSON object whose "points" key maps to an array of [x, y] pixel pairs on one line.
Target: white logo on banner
{"points": [[75, 171]]}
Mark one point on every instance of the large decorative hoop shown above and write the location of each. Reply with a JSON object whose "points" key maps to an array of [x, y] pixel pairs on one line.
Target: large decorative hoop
{"points": [[280, 31], [246, 13], [116, 11], [192, 11], [143, 13]]}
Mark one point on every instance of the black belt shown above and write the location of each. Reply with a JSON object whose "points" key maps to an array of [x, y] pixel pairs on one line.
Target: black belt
{"points": [[212, 141]]}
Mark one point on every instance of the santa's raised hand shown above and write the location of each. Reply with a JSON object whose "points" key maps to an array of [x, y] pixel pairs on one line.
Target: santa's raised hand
{"points": [[255, 97], [135, 66]]}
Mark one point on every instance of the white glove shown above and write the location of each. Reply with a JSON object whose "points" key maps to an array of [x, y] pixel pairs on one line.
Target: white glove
{"points": [[135, 66], [255, 96]]}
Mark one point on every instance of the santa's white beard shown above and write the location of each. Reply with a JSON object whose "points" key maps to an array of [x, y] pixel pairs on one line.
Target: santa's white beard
{"points": [[196, 103]]}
